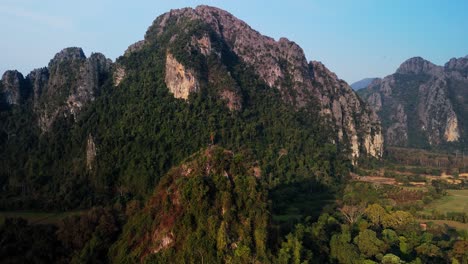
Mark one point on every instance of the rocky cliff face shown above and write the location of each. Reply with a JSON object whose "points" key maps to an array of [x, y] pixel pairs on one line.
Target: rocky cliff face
{"points": [[418, 65], [422, 104], [280, 64], [63, 88], [352, 117], [73, 81], [362, 83], [180, 81], [14, 90]]}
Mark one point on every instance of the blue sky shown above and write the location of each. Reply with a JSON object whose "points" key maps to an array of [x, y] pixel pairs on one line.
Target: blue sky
{"points": [[355, 39]]}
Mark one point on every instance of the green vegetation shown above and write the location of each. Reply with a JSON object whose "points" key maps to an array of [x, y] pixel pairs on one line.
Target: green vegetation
{"points": [[263, 184], [449, 223], [370, 228], [37, 217], [454, 201], [211, 209], [142, 131], [83, 238]]}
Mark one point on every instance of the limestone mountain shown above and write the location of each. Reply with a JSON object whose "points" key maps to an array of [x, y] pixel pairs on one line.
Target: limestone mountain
{"points": [[422, 104], [362, 83], [68, 83], [281, 65], [199, 76], [14, 89]]}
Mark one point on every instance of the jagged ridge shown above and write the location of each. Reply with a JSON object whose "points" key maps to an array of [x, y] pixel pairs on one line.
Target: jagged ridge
{"points": [[422, 104], [281, 65]]}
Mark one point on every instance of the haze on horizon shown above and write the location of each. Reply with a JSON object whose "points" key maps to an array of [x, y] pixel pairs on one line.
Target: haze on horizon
{"points": [[355, 39]]}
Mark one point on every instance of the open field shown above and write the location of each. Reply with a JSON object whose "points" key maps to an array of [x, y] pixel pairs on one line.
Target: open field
{"points": [[455, 201], [449, 223], [37, 217], [376, 179]]}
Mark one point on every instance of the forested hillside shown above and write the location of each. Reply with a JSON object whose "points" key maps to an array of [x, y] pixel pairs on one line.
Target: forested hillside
{"points": [[85, 131]]}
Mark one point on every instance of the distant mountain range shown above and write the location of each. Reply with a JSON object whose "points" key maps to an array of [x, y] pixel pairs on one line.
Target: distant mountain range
{"points": [[422, 104], [362, 83]]}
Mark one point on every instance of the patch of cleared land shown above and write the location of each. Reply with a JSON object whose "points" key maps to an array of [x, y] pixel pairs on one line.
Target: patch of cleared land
{"points": [[449, 223], [455, 201], [376, 179]]}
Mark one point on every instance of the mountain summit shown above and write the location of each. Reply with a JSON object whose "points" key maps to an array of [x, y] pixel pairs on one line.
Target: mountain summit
{"points": [[362, 83], [416, 65], [422, 104], [281, 65]]}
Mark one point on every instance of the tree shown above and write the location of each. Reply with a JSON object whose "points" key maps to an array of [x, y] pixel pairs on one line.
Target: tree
{"points": [[369, 244], [292, 250], [351, 212], [391, 259], [222, 239], [397, 220], [460, 251], [390, 237], [428, 251], [342, 250], [375, 213]]}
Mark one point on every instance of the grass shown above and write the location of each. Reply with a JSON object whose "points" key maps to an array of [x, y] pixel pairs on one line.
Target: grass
{"points": [[455, 201], [34, 217], [414, 188], [453, 224]]}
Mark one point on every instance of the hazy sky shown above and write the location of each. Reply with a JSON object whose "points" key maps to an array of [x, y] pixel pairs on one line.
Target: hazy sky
{"points": [[355, 39]]}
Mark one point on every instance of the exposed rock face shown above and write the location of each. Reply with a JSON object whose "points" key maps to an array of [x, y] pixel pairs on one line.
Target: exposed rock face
{"points": [[119, 74], [352, 117], [281, 65], [422, 104], [63, 88], [457, 64], [68, 83], [375, 101], [14, 89], [233, 100], [362, 83], [135, 47], [180, 81], [417, 65], [90, 153], [435, 111], [91, 75], [452, 132], [38, 79], [398, 131], [204, 44]]}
